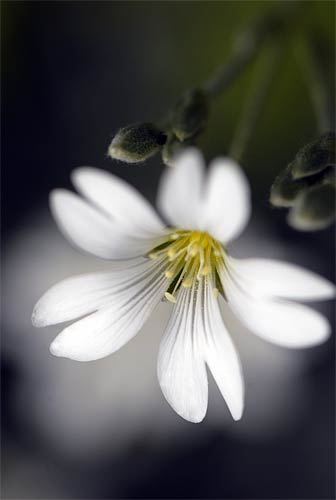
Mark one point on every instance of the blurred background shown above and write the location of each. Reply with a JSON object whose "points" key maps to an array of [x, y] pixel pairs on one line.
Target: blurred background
{"points": [[73, 73]]}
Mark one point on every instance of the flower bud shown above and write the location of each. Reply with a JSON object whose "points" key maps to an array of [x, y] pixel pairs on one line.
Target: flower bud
{"points": [[172, 147], [328, 176], [314, 208], [190, 114], [285, 189], [315, 157], [136, 142]]}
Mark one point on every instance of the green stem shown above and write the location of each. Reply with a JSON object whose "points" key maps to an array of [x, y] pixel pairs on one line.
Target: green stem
{"points": [[254, 102], [188, 118], [230, 71], [315, 80], [248, 43]]}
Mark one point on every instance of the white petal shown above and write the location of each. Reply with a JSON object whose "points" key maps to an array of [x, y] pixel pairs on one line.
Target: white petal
{"points": [[221, 355], [119, 200], [181, 368], [273, 278], [179, 196], [283, 323], [226, 205], [92, 231], [81, 295], [107, 330]]}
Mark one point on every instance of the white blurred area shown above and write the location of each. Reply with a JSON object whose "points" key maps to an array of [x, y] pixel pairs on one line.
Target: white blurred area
{"points": [[83, 410]]}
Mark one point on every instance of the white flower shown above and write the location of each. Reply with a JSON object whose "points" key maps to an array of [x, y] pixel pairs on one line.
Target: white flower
{"points": [[188, 264]]}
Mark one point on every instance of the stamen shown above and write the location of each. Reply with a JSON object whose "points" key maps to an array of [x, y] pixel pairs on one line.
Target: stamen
{"points": [[170, 297], [178, 234], [187, 283], [190, 274], [217, 249], [174, 267], [189, 256], [205, 270], [193, 249], [206, 267], [201, 259], [174, 248], [171, 253], [158, 252], [178, 283], [177, 254]]}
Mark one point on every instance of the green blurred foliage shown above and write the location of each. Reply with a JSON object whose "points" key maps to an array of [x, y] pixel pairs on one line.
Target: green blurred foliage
{"points": [[178, 45]]}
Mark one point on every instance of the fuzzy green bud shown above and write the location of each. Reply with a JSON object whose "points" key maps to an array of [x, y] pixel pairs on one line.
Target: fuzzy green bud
{"points": [[172, 147], [285, 189], [315, 156], [190, 114], [137, 142], [329, 176], [314, 208]]}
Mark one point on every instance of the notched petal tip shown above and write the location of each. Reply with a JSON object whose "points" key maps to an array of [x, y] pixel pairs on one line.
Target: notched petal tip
{"points": [[189, 158], [55, 194], [37, 318], [194, 417], [195, 413], [61, 348], [322, 336], [82, 174], [57, 198], [227, 200], [235, 401], [237, 412], [330, 291], [56, 349], [40, 317], [325, 290]]}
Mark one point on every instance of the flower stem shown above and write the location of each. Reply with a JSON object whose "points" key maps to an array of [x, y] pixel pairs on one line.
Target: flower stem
{"points": [[248, 43], [189, 117], [254, 102], [230, 71], [313, 73]]}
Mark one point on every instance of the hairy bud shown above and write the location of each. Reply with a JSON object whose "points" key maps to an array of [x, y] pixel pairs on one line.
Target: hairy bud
{"points": [[285, 189], [137, 142], [314, 208], [190, 114], [307, 186], [315, 156], [172, 147]]}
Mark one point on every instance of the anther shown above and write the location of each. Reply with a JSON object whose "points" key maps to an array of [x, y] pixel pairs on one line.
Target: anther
{"points": [[205, 270], [190, 271], [174, 236], [187, 283], [171, 253], [170, 297], [194, 249]]}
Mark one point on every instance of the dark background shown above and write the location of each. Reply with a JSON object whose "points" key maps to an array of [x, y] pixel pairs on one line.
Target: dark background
{"points": [[72, 74]]}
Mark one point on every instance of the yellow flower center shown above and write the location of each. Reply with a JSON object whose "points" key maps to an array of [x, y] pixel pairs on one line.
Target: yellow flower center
{"points": [[190, 256]]}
